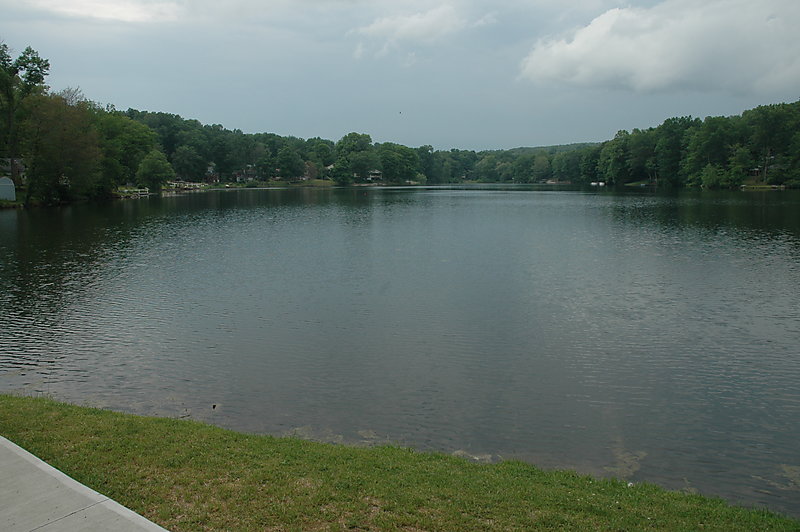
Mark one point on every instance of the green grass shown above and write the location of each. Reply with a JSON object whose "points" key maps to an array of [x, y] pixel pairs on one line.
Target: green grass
{"points": [[186, 475], [315, 183], [5, 204]]}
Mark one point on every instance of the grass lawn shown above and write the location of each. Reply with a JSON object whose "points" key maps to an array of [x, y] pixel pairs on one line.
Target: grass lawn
{"points": [[315, 183], [5, 204], [191, 476]]}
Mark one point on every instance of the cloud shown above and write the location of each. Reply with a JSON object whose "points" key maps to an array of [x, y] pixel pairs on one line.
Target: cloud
{"points": [[739, 46], [418, 28], [119, 10], [488, 19]]}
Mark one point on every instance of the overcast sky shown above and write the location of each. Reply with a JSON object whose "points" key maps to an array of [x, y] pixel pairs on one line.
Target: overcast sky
{"points": [[473, 74]]}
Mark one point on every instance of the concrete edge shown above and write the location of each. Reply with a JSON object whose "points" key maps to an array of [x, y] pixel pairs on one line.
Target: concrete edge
{"points": [[72, 484]]}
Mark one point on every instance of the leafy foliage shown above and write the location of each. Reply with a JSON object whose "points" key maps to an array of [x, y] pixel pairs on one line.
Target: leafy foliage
{"points": [[154, 171], [761, 145], [19, 78], [399, 163], [124, 143], [61, 148]]}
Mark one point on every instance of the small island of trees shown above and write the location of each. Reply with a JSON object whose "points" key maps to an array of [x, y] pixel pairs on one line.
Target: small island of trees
{"points": [[58, 147]]}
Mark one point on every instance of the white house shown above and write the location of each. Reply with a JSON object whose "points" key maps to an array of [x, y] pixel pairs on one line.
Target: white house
{"points": [[7, 190]]}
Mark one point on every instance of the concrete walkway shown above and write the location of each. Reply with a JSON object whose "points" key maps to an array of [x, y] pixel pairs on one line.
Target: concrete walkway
{"points": [[36, 496]]}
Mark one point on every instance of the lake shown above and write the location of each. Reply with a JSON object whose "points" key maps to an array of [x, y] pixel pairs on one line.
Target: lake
{"points": [[652, 337]]}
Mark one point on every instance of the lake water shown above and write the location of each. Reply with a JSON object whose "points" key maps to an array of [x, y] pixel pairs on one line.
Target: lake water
{"points": [[650, 337]]}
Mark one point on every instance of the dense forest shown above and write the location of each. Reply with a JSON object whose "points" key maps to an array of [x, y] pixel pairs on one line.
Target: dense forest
{"points": [[59, 146]]}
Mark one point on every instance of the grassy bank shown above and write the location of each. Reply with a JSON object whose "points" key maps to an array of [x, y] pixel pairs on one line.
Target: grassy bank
{"points": [[5, 204], [190, 476]]}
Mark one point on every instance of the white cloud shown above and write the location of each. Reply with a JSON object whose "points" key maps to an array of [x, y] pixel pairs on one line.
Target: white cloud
{"points": [[358, 53], [423, 27], [736, 45], [119, 10], [488, 19]]}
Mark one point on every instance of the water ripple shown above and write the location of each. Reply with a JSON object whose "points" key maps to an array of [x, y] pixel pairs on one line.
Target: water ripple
{"points": [[653, 337]]}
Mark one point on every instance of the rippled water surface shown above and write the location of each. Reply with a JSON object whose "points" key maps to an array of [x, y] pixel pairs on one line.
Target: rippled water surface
{"points": [[650, 337]]}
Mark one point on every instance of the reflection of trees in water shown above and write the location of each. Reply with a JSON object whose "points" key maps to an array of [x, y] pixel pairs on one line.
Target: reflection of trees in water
{"points": [[449, 345], [53, 258], [53, 261], [774, 212], [52, 254]]}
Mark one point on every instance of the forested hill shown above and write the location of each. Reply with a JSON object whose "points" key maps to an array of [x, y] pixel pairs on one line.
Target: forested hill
{"points": [[762, 145], [59, 146]]}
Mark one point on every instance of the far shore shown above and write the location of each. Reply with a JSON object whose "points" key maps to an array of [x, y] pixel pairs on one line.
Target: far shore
{"points": [[129, 193]]}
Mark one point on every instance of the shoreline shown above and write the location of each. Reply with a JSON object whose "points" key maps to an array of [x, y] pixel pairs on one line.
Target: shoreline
{"points": [[329, 185], [185, 474]]}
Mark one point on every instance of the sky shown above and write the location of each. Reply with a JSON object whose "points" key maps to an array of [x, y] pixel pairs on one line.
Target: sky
{"points": [[467, 74]]}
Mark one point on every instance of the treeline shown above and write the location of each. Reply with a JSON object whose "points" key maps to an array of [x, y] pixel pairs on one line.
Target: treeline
{"points": [[762, 145], [60, 146]]}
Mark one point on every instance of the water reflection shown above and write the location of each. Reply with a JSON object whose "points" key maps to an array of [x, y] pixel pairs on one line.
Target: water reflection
{"points": [[645, 336], [744, 212]]}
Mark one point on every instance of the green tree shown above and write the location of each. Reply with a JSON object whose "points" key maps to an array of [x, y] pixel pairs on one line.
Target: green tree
{"points": [[442, 168], [195, 138], [154, 171], [486, 168], [523, 168], [219, 151], [505, 169], [241, 151], [399, 163], [641, 155], [32, 70], [355, 158], [739, 165], [590, 164], [353, 142], [61, 149], [18, 79], [709, 143], [265, 164], [167, 126], [772, 128], [320, 152], [612, 164], [188, 164], [124, 143], [670, 147], [463, 164], [542, 170], [793, 171], [361, 163], [712, 176], [427, 161], [567, 166], [290, 164]]}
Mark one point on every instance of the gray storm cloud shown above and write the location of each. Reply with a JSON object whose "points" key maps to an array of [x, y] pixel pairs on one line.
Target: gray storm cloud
{"points": [[459, 70]]}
